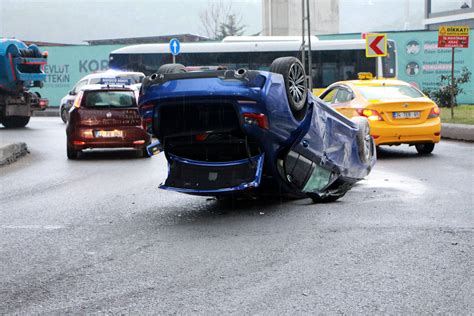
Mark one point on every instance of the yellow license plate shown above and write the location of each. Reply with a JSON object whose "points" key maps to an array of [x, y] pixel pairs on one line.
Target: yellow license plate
{"points": [[109, 134]]}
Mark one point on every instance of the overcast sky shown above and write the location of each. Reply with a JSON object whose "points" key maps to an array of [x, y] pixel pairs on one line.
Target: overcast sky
{"points": [[73, 21]]}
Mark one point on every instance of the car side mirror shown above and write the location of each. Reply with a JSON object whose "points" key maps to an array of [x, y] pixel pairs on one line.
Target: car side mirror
{"points": [[72, 92]]}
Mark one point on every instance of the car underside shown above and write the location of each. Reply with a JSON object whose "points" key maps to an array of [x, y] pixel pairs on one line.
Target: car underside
{"points": [[237, 132]]}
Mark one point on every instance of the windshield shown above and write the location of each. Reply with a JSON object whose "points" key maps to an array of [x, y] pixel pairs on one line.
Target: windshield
{"points": [[106, 99], [389, 92]]}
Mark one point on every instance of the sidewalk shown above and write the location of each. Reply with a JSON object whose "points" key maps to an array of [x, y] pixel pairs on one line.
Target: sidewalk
{"points": [[463, 132]]}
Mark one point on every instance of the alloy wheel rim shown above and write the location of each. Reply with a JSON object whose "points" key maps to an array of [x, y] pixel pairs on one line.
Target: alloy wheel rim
{"points": [[297, 83]]}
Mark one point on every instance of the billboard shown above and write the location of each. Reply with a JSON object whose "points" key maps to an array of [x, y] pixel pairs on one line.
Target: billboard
{"points": [[421, 62], [67, 64]]}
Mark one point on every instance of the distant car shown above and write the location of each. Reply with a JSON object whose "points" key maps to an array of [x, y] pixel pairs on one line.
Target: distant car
{"points": [[105, 116], [68, 100], [398, 113], [252, 132]]}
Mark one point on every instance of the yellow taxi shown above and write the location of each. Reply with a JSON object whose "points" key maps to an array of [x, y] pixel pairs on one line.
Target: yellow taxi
{"points": [[398, 113]]}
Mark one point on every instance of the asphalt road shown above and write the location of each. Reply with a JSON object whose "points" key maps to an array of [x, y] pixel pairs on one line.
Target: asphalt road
{"points": [[96, 235]]}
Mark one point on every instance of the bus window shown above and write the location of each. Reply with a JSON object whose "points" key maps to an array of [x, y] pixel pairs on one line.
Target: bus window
{"points": [[389, 62]]}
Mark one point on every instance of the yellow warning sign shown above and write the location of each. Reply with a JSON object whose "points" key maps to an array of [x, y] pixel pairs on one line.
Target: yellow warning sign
{"points": [[453, 31]]}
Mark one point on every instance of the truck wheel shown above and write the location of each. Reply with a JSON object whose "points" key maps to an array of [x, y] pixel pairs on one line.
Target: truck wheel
{"points": [[425, 148], [171, 69], [72, 153], [365, 142], [296, 85], [64, 115], [15, 121]]}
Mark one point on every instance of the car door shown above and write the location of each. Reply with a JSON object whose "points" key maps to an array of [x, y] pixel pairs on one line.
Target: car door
{"points": [[315, 159]]}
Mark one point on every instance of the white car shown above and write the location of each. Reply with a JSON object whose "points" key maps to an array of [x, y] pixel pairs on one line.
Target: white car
{"points": [[135, 78]]}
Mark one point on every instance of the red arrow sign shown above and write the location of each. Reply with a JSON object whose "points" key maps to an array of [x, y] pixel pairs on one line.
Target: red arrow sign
{"points": [[374, 46]]}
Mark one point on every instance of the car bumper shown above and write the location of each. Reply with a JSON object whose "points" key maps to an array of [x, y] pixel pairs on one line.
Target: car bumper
{"points": [[385, 134], [133, 137], [213, 178]]}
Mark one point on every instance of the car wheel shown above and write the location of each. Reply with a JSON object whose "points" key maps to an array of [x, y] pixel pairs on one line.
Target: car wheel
{"points": [[64, 115], [171, 69], [424, 148], [15, 121], [72, 153], [365, 142], [142, 153], [296, 84]]}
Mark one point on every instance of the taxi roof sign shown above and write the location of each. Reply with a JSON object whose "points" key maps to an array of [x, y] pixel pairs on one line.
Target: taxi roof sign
{"points": [[375, 45], [115, 81], [365, 76]]}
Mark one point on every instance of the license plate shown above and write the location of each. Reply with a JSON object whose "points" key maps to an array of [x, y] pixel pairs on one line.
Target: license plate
{"points": [[406, 115], [109, 134]]}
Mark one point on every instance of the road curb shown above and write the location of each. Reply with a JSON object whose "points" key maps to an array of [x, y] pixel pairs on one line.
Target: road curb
{"points": [[463, 132], [11, 152]]}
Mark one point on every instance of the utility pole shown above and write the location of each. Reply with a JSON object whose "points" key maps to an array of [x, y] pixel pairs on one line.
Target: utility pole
{"points": [[306, 22]]}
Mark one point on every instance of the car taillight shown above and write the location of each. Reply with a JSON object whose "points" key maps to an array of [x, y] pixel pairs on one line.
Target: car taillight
{"points": [[371, 115], [77, 101], [434, 112], [43, 103], [258, 119]]}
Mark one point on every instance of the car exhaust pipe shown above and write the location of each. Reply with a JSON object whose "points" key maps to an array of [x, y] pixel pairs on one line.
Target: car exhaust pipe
{"points": [[240, 73]]}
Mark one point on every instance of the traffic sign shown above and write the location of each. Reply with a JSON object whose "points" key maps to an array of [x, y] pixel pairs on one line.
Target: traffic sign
{"points": [[375, 45], [175, 46], [453, 37]]}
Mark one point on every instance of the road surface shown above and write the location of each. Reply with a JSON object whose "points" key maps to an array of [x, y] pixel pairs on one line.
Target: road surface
{"points": [[96, 235]]}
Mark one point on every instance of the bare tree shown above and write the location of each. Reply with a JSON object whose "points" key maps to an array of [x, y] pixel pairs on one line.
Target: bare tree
{"points": [[217, 16]]}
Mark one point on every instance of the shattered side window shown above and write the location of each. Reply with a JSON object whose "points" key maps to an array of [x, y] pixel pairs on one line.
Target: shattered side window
{"points": [[319, 178]]}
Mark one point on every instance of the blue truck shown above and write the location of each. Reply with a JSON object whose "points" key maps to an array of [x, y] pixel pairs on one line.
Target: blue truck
{"points": [[21, 68]]}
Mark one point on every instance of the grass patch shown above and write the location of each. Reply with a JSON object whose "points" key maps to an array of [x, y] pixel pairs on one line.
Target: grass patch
{"points": [[463, 114]]}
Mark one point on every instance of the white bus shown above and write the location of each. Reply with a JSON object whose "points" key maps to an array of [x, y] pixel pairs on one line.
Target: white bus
{"points": [[332, 60]]}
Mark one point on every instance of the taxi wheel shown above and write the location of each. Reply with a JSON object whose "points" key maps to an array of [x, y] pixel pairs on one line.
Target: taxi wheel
{"points": [[72, 153], [365, 142], [296, 84], [424, 148]]}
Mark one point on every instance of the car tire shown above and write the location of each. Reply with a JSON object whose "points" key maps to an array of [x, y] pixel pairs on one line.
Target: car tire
{"points": [[296, 85], [142, 153], [365, 142], [15, 121], [171, 69], [72, 153], [64, 115], [424, 148]]}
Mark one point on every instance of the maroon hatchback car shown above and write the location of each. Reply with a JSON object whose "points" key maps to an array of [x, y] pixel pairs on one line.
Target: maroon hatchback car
{"points": [[105, 117]]}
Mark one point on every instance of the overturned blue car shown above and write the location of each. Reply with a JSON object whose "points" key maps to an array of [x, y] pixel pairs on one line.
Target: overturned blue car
{"points": [[228, 132]]}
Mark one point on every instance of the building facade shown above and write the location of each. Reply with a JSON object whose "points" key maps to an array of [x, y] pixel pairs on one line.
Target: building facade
{"points": [[284, 17], [437, 14]]}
